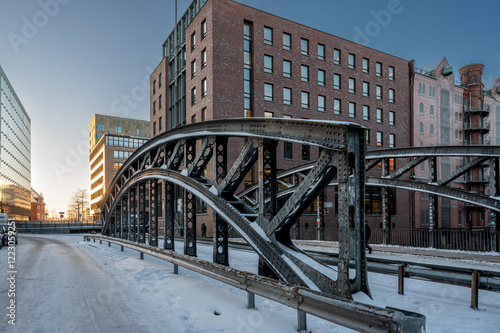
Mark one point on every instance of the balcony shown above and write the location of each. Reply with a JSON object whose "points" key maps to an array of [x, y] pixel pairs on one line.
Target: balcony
{"points": [[483, 112], [481, 127]]}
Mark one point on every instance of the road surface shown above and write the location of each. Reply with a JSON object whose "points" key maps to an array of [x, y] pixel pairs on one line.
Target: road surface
{"points": [[59, 285]]}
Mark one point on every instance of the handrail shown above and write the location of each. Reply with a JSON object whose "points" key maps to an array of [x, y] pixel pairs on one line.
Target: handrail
{"points": [[354, 315]]}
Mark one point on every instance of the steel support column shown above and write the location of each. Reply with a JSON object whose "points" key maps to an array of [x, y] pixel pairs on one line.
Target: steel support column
{"points": [[118, 216], [386, 214], [142, 213], [190, 223], [220, 228], [494, 192], [132, 206], [124, 211], [153, 212], [169, 217], [433, 200], [321, 216]]}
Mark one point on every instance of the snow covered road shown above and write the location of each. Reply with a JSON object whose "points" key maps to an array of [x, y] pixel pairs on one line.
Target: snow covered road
{"points": [[63, 284]]}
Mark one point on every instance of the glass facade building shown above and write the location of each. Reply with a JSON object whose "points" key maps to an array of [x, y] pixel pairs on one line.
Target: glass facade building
{"points": [[15, 154]]}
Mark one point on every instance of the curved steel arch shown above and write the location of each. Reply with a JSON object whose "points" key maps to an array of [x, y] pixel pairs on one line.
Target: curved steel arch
{"points": [[180, 156]]}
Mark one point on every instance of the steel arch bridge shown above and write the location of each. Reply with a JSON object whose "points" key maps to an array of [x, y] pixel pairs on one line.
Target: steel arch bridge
{"points": [[231, 148]]}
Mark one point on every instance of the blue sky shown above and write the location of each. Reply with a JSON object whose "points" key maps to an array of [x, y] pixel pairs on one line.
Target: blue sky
{"points": [[70, 59]]}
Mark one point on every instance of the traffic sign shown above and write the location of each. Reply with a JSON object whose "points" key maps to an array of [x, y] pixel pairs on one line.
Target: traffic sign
{"points": [[61, 216]]}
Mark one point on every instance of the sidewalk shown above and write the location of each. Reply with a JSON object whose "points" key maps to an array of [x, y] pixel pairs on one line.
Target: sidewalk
{"points": [[493, 257]]}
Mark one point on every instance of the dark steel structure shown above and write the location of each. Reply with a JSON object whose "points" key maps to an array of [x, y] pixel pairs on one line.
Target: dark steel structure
{"points": [[181, 156]]}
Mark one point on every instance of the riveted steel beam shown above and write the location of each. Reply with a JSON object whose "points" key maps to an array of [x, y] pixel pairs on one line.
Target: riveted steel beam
{"points": [[153, 212], [190, 223], [132, 205], [142, 213]]}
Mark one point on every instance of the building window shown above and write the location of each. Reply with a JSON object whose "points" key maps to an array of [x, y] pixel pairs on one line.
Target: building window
{"points": [[336, 81], [160, 126], [366, 65], [118, 129], [321, 52], [203, 88], [306, 153], [352, 61], [366, 112], [352, 85], [336, 56], [421, 128], [392, 118], [287, 41], [154, 132], [204, 114], [287, 96], [304, 46], [337, 106], [287, 68], [392, 73], [154, 107], [352, 110], [268, 35], [421, 108], [203, 58], [431, 129], [321, 77], [321, 103], [379, 139], [97, 136], [366, 89], [268, 114], [138, 132], [159, 80], [203, 28], [304, 100], [379, 92], [432, 111], [287, 150], [193, 96], [304, 73], [268, 92], [247, 70], [391, 96], [100, 127], [268, 64], [154, 87], [193, 41], [160, 103], [392, 140], [423, 89], [379, 116], [378, 69], [367, 136], [193, 68]]}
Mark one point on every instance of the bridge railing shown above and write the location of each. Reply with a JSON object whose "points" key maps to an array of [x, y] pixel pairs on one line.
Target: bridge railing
{"points": [[42, 225], [466, 240]]}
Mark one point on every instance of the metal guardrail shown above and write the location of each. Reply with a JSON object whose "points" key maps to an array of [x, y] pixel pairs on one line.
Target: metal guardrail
{"points": [[344, 312]]}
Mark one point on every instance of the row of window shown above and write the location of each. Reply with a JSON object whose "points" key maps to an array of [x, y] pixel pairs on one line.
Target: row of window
{"points": [[160, 126], [321, 79], [203, 91], [124, 142], [203, 116], [421, 90], [321, 53], [122, 154], [194, 67], [203, 28], [159, 83], [160, 104]]}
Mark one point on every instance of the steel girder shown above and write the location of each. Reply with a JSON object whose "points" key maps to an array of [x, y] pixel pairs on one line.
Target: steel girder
{"points": [[220, 232], [172, 157], [169, 213], [153, 212], [141, 237]]}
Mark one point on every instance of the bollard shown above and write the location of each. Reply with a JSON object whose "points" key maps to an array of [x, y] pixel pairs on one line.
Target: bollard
{"points": [[250, 300], [109, 243], [100, 241], [301, 321], [121, 248], [94, 240], [176, 269], [474, 289], [141, 255], [401, 279]]}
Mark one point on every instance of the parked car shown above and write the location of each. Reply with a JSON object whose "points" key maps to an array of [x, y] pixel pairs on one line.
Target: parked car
{"points": [[7, 229]]}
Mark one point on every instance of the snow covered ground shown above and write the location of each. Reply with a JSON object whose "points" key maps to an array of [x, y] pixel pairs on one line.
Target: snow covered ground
{"points": [[64, 284]]}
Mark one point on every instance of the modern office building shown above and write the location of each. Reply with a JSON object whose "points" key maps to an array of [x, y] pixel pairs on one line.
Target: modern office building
{"points": [[112, 141], [15, 153], [226, 60], [448, 111]]}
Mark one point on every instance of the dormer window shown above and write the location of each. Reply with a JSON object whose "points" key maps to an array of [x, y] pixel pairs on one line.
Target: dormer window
{"points": [[474, 79]]}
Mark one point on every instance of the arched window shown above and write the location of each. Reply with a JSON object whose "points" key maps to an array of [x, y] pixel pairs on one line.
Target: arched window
{"points": [[432, 130], [456, 135], [432, 111], [421, 128], [423, 89], [420, 88], [422, 108]]}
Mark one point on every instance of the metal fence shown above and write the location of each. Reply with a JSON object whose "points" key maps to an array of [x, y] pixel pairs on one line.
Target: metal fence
{"points": [[466, 240]]}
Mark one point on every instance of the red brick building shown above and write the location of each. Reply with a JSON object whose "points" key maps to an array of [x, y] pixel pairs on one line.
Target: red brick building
{"points": [[243, 62], [37, 206]]}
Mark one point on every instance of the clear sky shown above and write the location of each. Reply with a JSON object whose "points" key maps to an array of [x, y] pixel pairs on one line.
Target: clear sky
{"points": [[70, 59]]}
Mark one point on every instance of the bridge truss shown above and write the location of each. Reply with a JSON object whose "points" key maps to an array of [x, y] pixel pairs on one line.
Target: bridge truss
{"points": [[230, 149]]}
